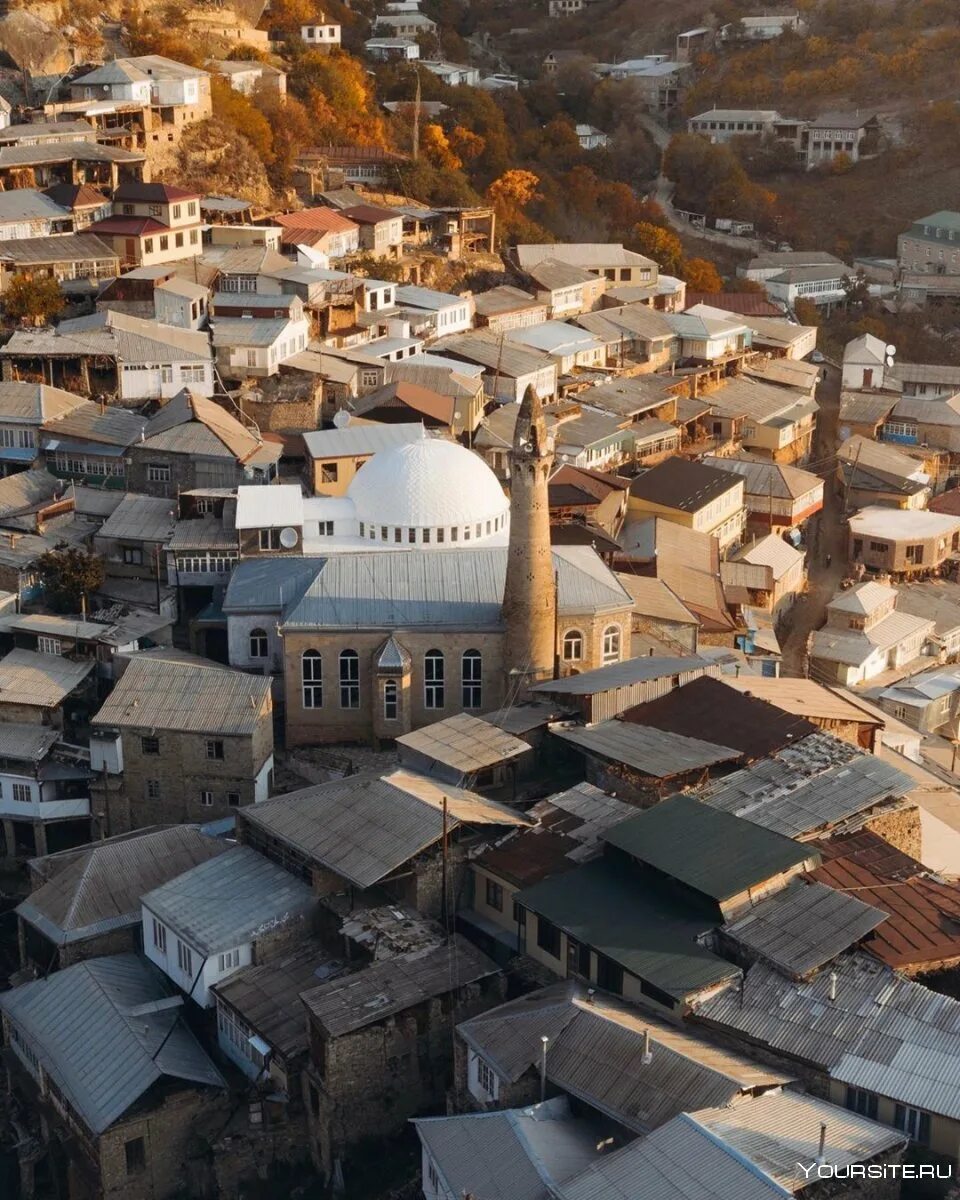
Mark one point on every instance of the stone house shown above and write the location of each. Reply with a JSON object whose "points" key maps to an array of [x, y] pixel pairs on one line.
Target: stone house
{"points": [[693, 495], [182, 740], [779, 498], [234, 911], [131, 539], [334, 456], [152, 223], [130, 1131], [931, 245], [44, 796], [86, 902], [902, 542], [381, 1042], [767, 573]]}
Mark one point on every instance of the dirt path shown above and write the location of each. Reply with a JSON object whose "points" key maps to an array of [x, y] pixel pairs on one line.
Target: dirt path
{"points": [[826, 533]]}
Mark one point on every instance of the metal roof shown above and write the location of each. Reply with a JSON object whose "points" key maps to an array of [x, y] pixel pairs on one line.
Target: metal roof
{"points": [[351, 440], [200, 697], [766, 478], [459, 588], [681, 484], [383, 989], [515, 1154], [99, 888], [651, 931], [140, 518], [804, 926], [111, 426], [814, 785], [779, 1129], [40, 680], [226, 901], [26, 204], [271, 507], [35, 402], [64, 247], [364, 827], [465, 743], [595, 1054], [713, 852], [105, 1031], [773, 552], [494, 353], [264, 585], [680, 1161], [622, 674], [881, 1032], [26, 742], [803, 698], [658, 753]]}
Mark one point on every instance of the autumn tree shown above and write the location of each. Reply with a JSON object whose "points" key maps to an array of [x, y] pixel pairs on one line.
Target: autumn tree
{"points": [[658, 243], [69, 575], [236, 110], [701, 275], [436, 146], [338, 95], [515, 189], [33, 301]]}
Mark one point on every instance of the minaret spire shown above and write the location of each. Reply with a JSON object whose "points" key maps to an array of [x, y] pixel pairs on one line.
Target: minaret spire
{"points": [[529, 598]]}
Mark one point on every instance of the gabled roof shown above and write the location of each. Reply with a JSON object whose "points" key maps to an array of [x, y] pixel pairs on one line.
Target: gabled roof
{"points": [[767, 478], [40, 680], [364, 828], [99, 890], [322, 219], [228, 437], [143, 518], [682, 484], [105, 1031], [88, 422], [199, 697], [655, 753], [226, 901], [464, 743], [35, 403]]}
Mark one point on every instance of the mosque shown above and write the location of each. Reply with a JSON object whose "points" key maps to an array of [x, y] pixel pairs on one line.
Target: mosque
{"points": [[424, 592]]}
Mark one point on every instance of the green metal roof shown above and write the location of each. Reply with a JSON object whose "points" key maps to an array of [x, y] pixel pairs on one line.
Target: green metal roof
{"points": [[650, 931], [714, 852]]}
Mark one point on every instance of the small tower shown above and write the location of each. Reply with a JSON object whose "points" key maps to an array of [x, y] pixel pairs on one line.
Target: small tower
{"points": [[529, 595]]}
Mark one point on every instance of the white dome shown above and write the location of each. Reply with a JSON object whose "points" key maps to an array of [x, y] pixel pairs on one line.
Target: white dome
{"points": [[429, 485]]}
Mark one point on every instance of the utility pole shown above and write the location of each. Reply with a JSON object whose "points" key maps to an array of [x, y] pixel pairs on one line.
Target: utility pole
{"points": [[443, 868], [416, 118]]}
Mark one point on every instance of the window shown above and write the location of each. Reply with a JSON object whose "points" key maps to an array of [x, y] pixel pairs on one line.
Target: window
{"points": [[433, 679], [159, 936], [184, 958], [486, 1078], [215, 749], [206, 799], [390, 700], [193, 237], [471, 669], [48, 645], [148, 245], [329, 472], [178, 240], [915, 554], [229, 961], [609, 975], [251, 358], [572, 645], [864, 1103], [164, 242], [269, 539], [913, 1122], [153, 789], [494, 895], [158, 472], [548, 937], [192, 374], [149, 745], [349, 679], [233, 799], [135, 1156], [432, 1175], [133, 556], [878, 547], [258, 643], [22, 792], [611, 644]]}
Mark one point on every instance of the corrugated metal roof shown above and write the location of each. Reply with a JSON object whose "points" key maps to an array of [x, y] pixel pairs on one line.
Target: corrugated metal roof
{"points": [[269, 584], [797, 792], [780, 1129], [622, 674], [465, 743], [64, 247], [88, 422], [99, 889], [773, 552], [655, 752], [765, 478], [140, 518], [383, 989], [803, 698], [680, 1161], [595, 1054], [881, 1032], [854, 647], [95, 1034], [861, 408], [26, 743], [35, 402], [40, 680], [496, 354], [804, 926], [224, 902], [366, 826], [361, 439], [194, 698]]}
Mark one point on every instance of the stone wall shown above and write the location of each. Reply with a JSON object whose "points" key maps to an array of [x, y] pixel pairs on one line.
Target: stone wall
{"points": [[901, 828]]}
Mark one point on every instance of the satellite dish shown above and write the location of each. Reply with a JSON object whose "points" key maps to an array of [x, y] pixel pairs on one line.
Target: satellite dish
{"points": [[844, 432], [889, 360], [891, 349], [289, 537]]}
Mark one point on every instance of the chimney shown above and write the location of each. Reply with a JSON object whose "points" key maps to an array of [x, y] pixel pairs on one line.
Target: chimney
{"points": [[591, 992], [823, 1143], [647, 1056], [833, 986]]}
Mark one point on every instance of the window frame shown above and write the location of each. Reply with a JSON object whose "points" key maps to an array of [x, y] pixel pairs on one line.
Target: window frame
{"points": [[311, 687], [434, 680], [471, 681], [348, 672]]}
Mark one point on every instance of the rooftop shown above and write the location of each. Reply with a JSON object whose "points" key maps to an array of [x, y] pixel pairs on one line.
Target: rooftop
{"points": [[656, 753], [622, 674], [140, 518], [465, 743], [226, 901], [40, 680], [199, 697], [682, 484]]}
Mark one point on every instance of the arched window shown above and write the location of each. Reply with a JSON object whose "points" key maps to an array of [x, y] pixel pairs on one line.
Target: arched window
{"points": [[349, 679], [471, 672], [611, 644], [311, 671], [391, 700], [259, 644], [572, 645], [433, 679]]}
